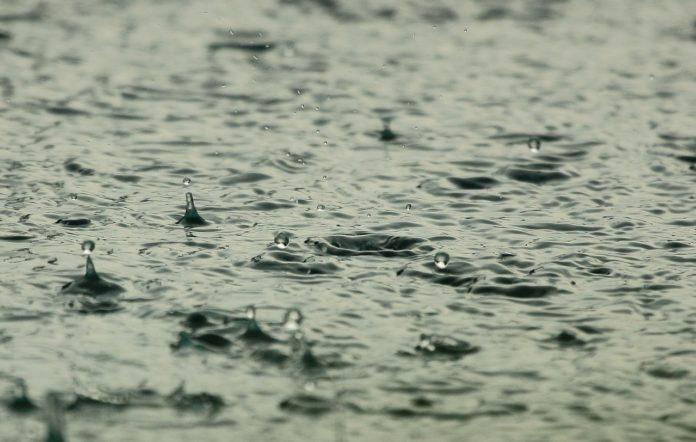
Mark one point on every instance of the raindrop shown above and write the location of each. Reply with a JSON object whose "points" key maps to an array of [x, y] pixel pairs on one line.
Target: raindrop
{"points": [[187, 182], [326, 143], [88, 247], [73, 196], [282, 240], [251, 313], [324, 177], [321, 207], [293, 320], [534, 144], [408, 207], [441, 260]]}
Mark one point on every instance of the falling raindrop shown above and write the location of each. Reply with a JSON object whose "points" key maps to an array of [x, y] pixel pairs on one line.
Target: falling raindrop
{"points": [[282, 240], [73, 196], [534, 144], [441, 260], [408, 207], [88, 247], [187, 182]]}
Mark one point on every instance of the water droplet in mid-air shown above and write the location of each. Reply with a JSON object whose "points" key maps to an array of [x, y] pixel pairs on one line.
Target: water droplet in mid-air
{"points": [[408, 207], [321, 207], [293, 319], [88, 247], [187, 182], [534, 144], [251, 313], [73, 196], [441, 260], [282, 240]]}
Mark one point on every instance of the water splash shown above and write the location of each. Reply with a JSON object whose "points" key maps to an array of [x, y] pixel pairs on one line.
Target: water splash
{"points": [[55, 418], [386, 134], [282, 240], [91, 283], [253, 331], [191, 216]]}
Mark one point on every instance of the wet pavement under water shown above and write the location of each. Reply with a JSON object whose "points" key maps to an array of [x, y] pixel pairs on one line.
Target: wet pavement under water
{"points": [[483, 212]]}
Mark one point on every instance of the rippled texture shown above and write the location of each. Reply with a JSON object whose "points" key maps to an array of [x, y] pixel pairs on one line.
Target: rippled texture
{"points": [[565, 312]]}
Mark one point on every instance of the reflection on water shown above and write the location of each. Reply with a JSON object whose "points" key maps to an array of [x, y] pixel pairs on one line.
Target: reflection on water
{"points": [[416, 220]]}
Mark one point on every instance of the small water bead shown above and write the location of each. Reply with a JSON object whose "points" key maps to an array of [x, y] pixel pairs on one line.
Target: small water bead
{"points": [[282, 240], [187, 181], [88, 247], [441, 260], [534, 144], [321, 207], [251, 313], [408, 207], [293, 320], [73, 196]]}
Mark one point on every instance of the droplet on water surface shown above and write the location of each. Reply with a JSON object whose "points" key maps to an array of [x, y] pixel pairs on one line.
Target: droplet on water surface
{"points": [[73, 196], [187, 182], [534, 144], [282, 240], [321, 207], [293, 319], [88, 247], [441, 260]]}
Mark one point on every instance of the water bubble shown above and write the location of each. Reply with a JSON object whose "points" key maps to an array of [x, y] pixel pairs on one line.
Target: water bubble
{"points": [[187, 181], [293, 319], [251, 313], [73, 196], [408, 207], [534, 144], [441, 260], [324, 177], [326, 143], [282, 240], [88, 247], [321, 207]]}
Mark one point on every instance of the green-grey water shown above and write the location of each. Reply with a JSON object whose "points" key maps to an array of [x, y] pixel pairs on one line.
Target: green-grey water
{"points": [[482, 211]]}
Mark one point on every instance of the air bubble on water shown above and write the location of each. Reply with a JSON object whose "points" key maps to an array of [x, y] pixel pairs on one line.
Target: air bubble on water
{"points": [[187, 181], [293, 320], [87, 247], [282, 240], [408, 207], [251, 313], [534, 144], [73, 196], [321, 207], [441, 260]]}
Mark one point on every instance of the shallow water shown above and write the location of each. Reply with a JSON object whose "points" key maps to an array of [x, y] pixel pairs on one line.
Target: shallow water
{"points": [[565, 312]]}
